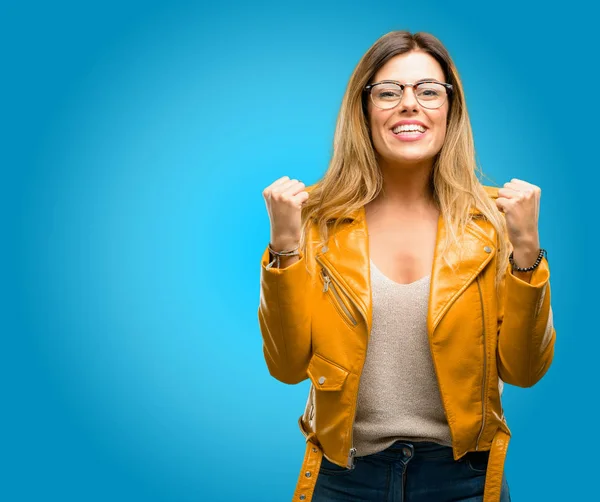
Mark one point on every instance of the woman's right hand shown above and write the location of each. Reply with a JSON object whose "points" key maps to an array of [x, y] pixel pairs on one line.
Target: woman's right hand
{"points": [[284, 198]]}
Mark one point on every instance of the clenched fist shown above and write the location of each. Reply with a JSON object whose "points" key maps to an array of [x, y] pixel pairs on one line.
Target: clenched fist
{"points": [[284, 198], [520, 202]]}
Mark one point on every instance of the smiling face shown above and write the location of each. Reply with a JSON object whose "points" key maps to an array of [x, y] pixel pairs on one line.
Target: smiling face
{"points": [[406, 149]]}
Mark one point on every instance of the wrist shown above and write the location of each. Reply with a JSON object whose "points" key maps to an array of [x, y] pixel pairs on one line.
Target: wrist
{"points": [[281, 258], [525, 257], [525, 271], [283, 244]]}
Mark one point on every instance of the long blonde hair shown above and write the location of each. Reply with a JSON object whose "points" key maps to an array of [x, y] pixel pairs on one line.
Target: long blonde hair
{"points": [[353, 177]]}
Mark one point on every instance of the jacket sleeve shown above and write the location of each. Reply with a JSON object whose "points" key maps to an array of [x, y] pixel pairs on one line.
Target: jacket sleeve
{"points": [[526, 333], [285, 319]]}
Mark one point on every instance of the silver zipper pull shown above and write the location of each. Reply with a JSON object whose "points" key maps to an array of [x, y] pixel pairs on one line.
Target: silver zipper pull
{"points": [[351, 458], [326, 285]]}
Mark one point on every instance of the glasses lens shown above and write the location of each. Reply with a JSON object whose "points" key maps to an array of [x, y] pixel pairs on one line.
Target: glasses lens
{"points": [[386, 95], [429, 95]]}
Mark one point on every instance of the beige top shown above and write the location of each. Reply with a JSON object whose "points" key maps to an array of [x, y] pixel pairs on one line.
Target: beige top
{"points": [[398, 395]]}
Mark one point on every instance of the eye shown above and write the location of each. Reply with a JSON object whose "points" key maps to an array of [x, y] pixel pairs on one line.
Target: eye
{"points": [[429, 92], [388, 93]]}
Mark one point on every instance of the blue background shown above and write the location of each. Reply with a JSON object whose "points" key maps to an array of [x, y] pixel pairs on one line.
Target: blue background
{"points": [[137, 138]]}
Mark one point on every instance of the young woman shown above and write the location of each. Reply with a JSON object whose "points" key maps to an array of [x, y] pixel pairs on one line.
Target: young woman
{"points": [[406, 291]]}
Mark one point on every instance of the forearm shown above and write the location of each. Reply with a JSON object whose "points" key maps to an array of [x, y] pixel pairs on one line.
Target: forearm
{"points": [[526, 332], [285, 318]]}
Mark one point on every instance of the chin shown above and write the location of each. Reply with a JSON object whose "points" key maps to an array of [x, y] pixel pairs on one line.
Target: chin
{"points": [[409, 159]]}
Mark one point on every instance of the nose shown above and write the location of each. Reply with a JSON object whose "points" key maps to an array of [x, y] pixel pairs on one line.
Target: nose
{"points": [[409, 99]]}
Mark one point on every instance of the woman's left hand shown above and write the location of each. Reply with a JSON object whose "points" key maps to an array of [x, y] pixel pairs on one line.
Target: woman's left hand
{"points": [[520, 202]]}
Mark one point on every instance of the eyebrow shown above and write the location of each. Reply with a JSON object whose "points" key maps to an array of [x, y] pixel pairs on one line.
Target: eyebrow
{"points": [[416, 81]]}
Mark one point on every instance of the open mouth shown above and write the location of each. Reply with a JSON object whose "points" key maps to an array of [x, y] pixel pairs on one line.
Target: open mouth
{"points": [[409, 133], [409, 129]]}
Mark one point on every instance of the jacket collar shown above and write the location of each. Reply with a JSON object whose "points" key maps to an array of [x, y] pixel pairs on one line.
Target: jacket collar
{"points": [[347, 257]]}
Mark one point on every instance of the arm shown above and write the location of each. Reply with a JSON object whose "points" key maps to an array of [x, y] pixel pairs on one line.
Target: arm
{"points": [[284, 318], [526, 334]]}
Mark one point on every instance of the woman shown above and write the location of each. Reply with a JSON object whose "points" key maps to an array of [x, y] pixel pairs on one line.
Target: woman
{"points": [[406, 291]]}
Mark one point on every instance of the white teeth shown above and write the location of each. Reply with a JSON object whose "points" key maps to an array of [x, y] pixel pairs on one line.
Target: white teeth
{"points": [[408, 128]]}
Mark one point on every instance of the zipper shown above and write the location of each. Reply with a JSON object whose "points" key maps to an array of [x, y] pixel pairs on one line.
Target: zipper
{"points": [[500, 399], [351, 455], [351, 462], [303, 432], [484, 366], [329, 285]]}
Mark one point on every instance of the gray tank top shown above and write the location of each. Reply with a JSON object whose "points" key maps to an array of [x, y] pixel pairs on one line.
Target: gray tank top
{"points": [[398, 395]]}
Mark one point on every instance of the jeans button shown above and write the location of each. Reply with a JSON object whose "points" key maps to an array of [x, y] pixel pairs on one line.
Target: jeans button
{"points": [[407, 452]]}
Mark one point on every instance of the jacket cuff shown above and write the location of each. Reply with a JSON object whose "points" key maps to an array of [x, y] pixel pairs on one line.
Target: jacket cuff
{"points": [[539, 277]]}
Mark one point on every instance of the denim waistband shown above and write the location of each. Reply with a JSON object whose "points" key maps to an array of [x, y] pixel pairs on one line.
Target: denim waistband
{"points": [[404, 450]]}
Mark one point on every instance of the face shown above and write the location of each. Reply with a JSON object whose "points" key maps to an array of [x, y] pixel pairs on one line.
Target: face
{"points": [[408, 148]]}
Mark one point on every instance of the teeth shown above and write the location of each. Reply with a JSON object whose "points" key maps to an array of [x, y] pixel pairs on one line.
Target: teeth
{"points": [[408, 128]]}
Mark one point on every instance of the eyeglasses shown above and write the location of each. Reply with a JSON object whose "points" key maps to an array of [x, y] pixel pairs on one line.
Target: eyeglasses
{"points": [[388, 93]]}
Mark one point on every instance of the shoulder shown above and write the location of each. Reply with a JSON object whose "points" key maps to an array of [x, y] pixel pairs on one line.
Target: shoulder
{"points": [[491, 191], [310, 188]]}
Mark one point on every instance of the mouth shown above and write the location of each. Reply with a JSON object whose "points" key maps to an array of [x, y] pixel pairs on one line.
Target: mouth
{"points": [[411, 133]]}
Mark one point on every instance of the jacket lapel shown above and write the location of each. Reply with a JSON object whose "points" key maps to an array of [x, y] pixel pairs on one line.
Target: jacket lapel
{"points": [[448, 281], [347, 257]]}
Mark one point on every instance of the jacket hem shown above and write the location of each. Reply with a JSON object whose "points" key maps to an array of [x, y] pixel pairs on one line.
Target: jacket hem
{"points": [[311, 465]]}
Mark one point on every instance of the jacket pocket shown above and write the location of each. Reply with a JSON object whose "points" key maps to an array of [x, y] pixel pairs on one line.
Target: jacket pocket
{"points": [[326, 375], [336, 295]]}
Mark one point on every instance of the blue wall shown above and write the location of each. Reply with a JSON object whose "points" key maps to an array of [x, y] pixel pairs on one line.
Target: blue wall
{"points": [[137, 138]]}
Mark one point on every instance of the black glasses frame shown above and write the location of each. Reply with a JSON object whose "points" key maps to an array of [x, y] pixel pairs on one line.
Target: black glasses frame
{"points": [[448, 87]]}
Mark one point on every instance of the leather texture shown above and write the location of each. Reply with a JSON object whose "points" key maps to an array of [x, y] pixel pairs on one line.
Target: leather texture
{"points": [[315, 318]]}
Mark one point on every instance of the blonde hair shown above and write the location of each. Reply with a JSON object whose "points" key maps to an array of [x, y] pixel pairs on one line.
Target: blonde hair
{"points": [[353, 177]]}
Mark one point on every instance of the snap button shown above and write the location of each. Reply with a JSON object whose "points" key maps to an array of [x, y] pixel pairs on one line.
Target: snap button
{"points": [[314, 450], [407, 452], [487, 249], [326, 375], [324, 249], [302, 497], [307, 474]]}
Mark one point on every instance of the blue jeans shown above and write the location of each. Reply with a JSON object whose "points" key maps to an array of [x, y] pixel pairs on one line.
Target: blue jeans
{"points": [[419, 471]]}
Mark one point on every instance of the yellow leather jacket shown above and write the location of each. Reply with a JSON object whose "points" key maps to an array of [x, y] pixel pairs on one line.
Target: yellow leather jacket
{"points": [[317, 326]]}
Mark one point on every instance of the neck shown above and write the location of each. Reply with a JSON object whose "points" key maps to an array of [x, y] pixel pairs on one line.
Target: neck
{"points": [[407, 188]]}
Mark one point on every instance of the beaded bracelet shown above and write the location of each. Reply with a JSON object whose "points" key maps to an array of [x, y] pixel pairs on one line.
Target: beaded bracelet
{"points": [[279, 254], [543, 253]]}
